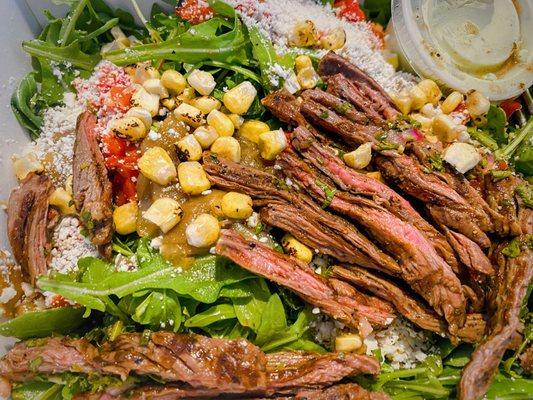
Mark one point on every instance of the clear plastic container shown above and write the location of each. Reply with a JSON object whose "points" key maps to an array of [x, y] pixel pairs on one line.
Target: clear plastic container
{"points": [[485, 45]]}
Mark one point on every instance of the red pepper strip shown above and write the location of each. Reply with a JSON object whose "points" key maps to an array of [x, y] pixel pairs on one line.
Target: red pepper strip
{"points": [[510, 107]]}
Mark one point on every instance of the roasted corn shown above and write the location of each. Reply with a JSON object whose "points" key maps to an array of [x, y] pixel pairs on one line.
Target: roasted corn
{"points": [[192, 177], [157, 166], [125, 218], [165, 213], [237, 205]]}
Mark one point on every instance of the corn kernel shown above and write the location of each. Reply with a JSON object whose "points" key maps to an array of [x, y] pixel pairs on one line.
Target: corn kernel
{"points": [[142, 114], [165, 213], [155, 86], [425, 122], [302, 62], [251, 130], [239, 99], [429, 111], [205, 135], [221, 123], [360, 157], [403, 102], [304, 34], [431, 90], [418, 97], [445, 128], [150, 102], [145, 71], [237, 205], [203, 82], [307, 78], [173, 81], [451, 102], [125, 218], [157, 166], [131, 128], [62, 200], [236, 119], [272, 143], [334, 39], [348, 343], [375, 175], [189, 114], [192, 177], [26, 164], [227, 147], [205, 104], [188, 149], [169, 103], [296, 248], [186, 95], [392, 58], [477, 104], [203, 231]]}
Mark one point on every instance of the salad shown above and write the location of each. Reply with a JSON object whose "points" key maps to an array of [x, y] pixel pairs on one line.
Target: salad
{"points": [[250, 200]]}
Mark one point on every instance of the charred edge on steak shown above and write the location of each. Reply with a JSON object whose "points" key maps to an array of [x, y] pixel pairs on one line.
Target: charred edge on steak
{"points": [[27, 211]]}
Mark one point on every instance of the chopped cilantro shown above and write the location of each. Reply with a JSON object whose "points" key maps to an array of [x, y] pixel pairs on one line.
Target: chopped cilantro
{"points": [[329, 192], [498, 175], [525, 191], [324, 114], [343, 108], [512, 250]]}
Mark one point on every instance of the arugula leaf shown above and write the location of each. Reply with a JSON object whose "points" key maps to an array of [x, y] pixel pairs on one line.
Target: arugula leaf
{"points": [[23, 106], [249, 309], [36, 324], [377, 10], [496, 122], [523, 162], [273, 321], [483, 137], [220, 312], [159, 308], [36, 390]]}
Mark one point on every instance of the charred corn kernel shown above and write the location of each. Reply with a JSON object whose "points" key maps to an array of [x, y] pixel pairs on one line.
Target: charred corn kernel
{"points": [[142, 114], [360, 157], [236, 119], [189, 114], [462, 156], [203, 82], [403, 102], [205, 135], [227, 147], [445, 128], [303, 34], [62, 199], [125, 218], [26, 164], [251, 130], [272, 143], [186, 95], [188, 149], [206, 104], [150, 102], [173, 81], [477, 104], [155, 86], [375, 175], [348, 343], [451, 102], [131, 128], [334, 39], [203, 231], [431, 90], [291, 83], [296, 248], [145, 71], [221, 123], [165, 213], [192, 177], [302, 62], [307, 78], [236, 205], [169, 103], [157, 166], [425, 122], [418, 97], [119, 36], [239, 99]]}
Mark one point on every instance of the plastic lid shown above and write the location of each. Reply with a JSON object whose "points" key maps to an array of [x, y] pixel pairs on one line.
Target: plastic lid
{"points": [[485, 45]]}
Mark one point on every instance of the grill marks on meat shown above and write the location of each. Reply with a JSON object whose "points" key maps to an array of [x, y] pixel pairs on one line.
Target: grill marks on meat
{"points": [[469, 253], [422, 268], [91, 186], [296, 213], [333, 102], [297, 276], [200, 366], [513, 277], [501, 198], [27, 211]]}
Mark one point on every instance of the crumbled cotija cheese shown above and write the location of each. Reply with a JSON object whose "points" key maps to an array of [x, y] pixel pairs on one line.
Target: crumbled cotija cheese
{"points": [[69, 245], [276, 19]]}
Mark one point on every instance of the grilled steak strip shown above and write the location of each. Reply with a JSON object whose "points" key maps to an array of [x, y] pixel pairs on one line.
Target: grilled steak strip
{"points": [[345, 289], [513, 277], [354, 182], [422, 268], [93, 193], [501, 197], [27, 211], [301, 279], [333, 64], [469, 253], [333, 102], [298, 214]]}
